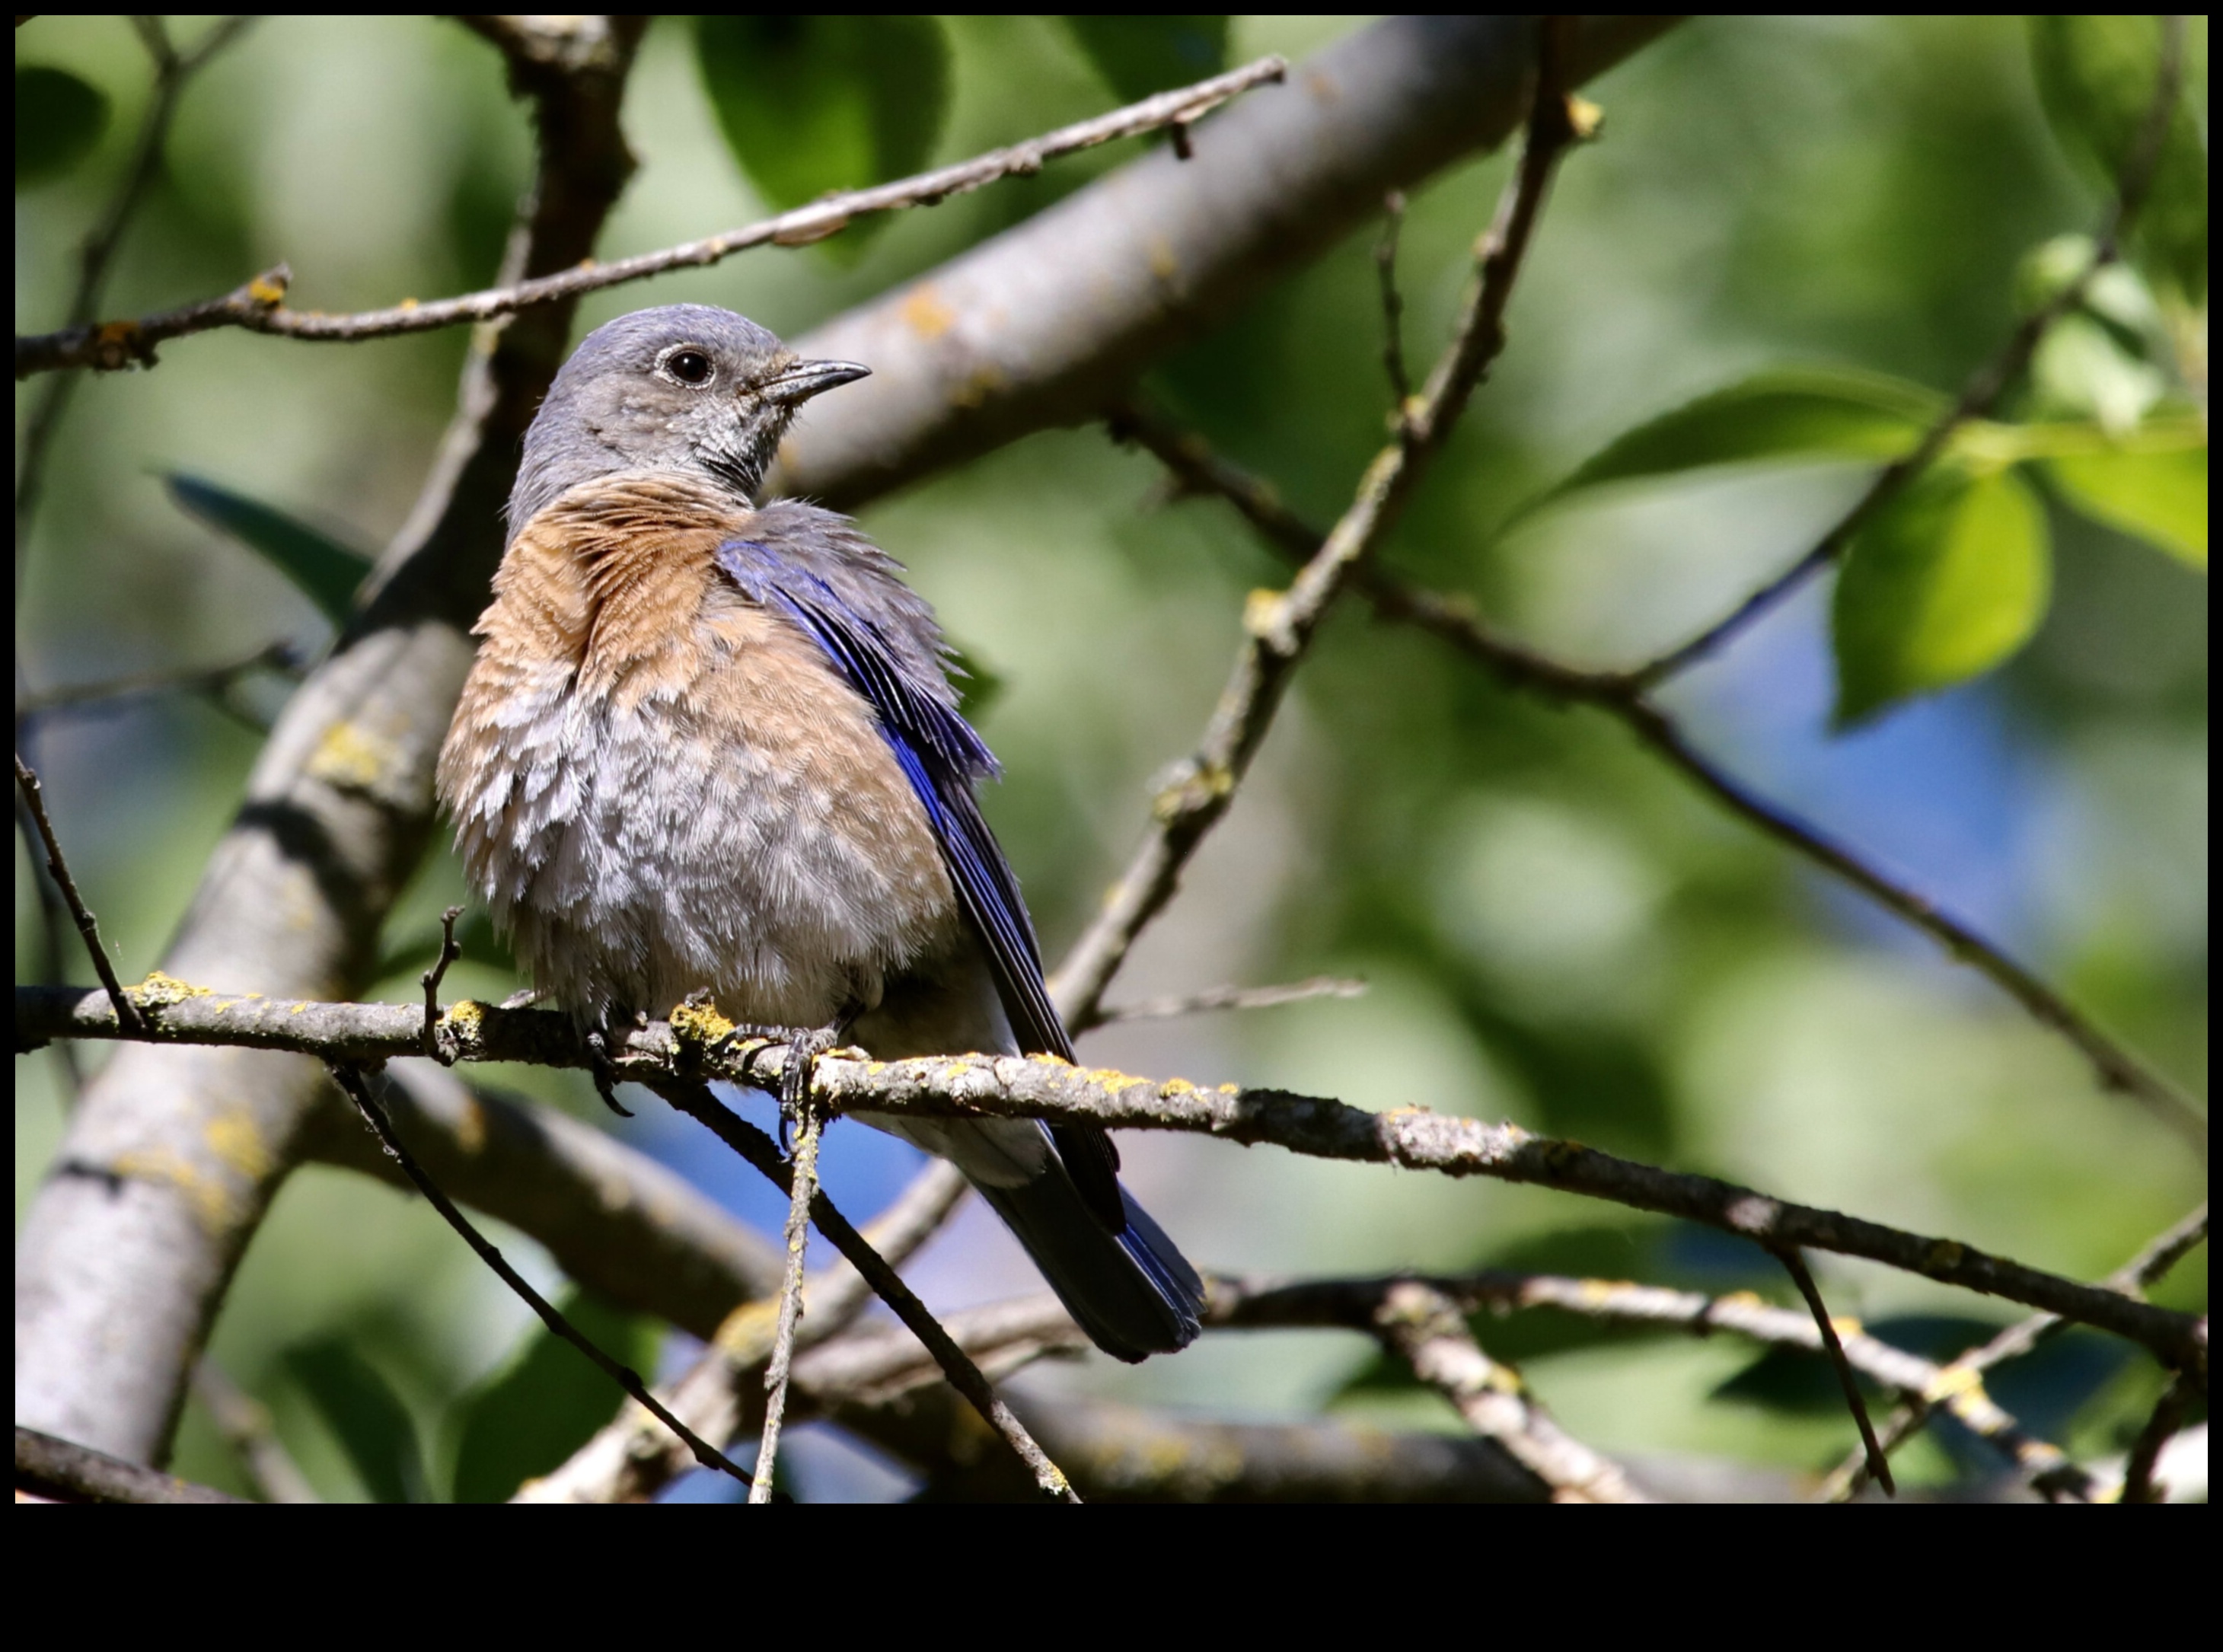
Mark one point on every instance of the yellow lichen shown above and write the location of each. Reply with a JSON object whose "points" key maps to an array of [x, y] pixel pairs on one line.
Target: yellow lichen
{"points": [[924, 312], [698, 1024], [159, 992], [1942, 1257], [352, 757], [235, 1138], [211, 1200]]}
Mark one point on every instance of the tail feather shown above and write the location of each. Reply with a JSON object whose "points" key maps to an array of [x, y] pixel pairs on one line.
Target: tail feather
{"points": [[1132, 1292]]}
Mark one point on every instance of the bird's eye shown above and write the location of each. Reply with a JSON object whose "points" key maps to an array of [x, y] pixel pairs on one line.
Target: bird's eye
{"points": [[688, 366]]}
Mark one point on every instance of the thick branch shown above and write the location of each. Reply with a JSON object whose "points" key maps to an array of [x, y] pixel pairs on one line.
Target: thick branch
{"points": [[172, 1157], [1043, 1087], [1049, 321]]}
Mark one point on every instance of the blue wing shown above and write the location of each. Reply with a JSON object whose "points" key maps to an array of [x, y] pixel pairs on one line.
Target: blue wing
{"points": [[940, 754]]}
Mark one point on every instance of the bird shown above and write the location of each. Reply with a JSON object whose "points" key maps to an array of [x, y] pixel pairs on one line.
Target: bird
{"points": [[708, 744]]}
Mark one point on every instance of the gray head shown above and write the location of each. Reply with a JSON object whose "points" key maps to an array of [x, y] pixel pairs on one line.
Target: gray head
{"points": [[686, 386]]}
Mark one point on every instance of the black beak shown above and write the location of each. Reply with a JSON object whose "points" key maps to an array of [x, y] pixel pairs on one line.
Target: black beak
{"points": [[807, 378]]}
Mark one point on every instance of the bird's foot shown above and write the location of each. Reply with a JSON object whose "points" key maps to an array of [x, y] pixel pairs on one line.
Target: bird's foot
{"points": [[805, 1047], [599, 1043]]}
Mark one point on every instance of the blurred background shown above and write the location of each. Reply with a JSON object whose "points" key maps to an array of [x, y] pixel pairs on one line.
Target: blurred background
{"points": [[1553, 928]]}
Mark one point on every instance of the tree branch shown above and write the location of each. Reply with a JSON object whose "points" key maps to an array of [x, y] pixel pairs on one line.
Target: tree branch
{"points": [[752, 1145], [1046, 322], [616, 1221], [1356, 1304], [172, 1158], [1279, 627], [1424, 1328], [259, 306], [631, 1458], [61, 1471], [1193, 460], [1220, 998], [356, 1085], [32, 797], [679, 1055], [1959, 1385]]}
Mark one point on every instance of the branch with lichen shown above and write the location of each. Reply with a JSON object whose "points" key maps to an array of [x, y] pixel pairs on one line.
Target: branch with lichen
{"points": [[259, 306], [696, 1045]]}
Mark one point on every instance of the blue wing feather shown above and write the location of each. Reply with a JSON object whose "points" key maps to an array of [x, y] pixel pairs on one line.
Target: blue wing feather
{"points": [[941, 755]]}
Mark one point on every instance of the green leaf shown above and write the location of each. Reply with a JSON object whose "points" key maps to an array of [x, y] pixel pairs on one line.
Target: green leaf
{"points": [[1140, 55], [2160, 497], [812, 105], [59, 118], [547, 1402], [2096, 76], [1786, 414], [365, 1415], [2082, 367], [1948, 579], [325, 571]]}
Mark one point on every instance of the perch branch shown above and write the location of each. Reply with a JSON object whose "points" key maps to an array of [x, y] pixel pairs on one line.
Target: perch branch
{"points": [[1015, 1086]]}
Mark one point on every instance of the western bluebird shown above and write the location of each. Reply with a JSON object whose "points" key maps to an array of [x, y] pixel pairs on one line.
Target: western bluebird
{"points": [[711, 744]]}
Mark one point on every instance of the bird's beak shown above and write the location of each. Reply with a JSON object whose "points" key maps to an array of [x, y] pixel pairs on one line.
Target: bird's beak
{"points": [[807, 378]]}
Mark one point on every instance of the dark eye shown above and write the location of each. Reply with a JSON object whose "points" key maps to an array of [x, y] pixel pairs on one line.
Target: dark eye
{"points": [[688, 366]]}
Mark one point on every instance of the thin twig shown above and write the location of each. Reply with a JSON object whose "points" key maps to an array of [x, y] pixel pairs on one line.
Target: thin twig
{"points": [[451, 949], [281, 657], [1425, 1329], [1256, 1304], [2139, 1483], [118, 343], [1963, 1378], [761, 1151], [631, 1459], [1795, 1265], [1451, 618], [34, 798], [1393, 302], [352, 1081], [1222, 998], [1281, 626], [245, 1422], [96, 255], [1017, 1086], [61, 1471], [803, 1169], [1977, 397]]}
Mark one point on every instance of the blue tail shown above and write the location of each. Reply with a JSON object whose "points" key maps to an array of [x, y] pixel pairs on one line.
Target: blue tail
{"points": [[1132, 1291]]}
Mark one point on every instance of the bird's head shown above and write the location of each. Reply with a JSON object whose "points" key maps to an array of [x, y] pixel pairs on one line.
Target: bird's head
{"points": [[685, 388]]}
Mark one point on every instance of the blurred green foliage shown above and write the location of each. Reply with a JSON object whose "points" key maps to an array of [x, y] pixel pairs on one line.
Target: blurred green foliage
{"points": [[59, 117], [1138, 55], [1796, 238], [811, 104]]}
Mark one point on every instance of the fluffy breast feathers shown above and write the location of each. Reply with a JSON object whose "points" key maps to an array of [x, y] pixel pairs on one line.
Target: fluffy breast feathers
{"points": [[660, 785]]}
